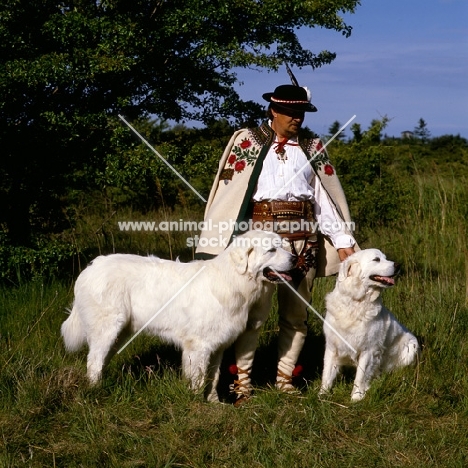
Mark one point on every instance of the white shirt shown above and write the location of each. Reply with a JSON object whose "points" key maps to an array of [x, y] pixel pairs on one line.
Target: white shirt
{"points": [[292, 179]]}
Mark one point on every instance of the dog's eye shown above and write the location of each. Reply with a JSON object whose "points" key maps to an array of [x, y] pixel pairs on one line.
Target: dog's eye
{"points": [[376, 259], [272, 250]]}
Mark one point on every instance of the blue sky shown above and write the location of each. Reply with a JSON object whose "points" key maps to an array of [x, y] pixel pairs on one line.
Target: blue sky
{"points": [[406, 59]]}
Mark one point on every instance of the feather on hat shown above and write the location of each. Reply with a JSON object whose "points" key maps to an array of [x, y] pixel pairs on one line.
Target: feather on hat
{"points": [[291, 97]]}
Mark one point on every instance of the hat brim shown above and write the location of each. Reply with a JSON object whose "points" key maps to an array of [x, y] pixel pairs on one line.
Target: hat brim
{"points": [[302, 107]]}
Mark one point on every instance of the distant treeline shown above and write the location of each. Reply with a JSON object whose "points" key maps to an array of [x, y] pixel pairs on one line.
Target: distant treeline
{"points": [[42, 224]]}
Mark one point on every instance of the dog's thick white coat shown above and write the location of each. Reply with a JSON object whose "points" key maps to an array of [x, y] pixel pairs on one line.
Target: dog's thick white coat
{"points": [[371, 339], [116, 295]]}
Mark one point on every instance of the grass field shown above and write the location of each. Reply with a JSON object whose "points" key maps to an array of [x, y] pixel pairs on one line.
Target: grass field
{"points": [[143, 415]]}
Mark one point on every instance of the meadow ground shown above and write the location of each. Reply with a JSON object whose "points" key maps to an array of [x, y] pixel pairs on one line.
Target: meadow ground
{"points": [[144, 414]]}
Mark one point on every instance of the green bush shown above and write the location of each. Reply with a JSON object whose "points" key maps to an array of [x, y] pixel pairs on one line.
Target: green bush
{"points": [[45, 257], [132, 183], [374, 193]]}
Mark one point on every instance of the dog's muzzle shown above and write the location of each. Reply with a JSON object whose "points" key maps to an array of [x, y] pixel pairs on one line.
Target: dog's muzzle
{"points": [[386, 281], [276, 276]]}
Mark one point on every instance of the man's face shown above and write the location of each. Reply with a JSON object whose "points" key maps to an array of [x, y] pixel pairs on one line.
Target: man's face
{"points": [[287, 123]]}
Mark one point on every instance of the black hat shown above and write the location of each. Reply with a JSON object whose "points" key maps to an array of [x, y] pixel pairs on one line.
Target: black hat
{"points": [[292, 98]]}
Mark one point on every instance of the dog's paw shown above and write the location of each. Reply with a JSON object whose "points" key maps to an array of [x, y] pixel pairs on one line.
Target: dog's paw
{"points": [[410, 352], [212, 398], [323, 391], [357, 395]]}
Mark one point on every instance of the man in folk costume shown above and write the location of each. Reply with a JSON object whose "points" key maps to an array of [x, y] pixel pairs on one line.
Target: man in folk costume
{"points": [[271, 177]]}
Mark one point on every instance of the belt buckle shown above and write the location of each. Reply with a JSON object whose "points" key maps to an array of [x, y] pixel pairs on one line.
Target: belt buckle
{"points": [[285, 209]]}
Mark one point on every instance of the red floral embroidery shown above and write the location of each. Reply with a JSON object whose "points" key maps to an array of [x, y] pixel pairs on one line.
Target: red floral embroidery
{"points": [[240, 165], [243, 154], [328, 169], [320, 160]]}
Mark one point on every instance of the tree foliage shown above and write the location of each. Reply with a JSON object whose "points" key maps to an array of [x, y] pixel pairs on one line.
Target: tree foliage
{"points": [[356, 131], [334, 129], [421, 131], [145, 56], [69, 67], [371, 188]]}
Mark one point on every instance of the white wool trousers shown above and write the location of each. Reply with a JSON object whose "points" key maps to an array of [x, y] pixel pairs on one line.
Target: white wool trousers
{"points": [[292, 310]]}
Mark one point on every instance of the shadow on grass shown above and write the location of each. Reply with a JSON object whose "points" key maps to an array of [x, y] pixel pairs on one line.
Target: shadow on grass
{"points": [[161, 358], [157, 359]]}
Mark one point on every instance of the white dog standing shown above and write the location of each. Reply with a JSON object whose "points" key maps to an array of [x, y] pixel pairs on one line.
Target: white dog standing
{"points": [[370, 338], [201, 307]]}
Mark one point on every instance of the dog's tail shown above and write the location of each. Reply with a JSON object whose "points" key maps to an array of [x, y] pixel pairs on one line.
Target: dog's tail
{"points": [[73, 332]]}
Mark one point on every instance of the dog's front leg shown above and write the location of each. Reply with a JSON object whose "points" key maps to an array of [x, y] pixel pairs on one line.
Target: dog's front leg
{"points": [[367, 368], [330, 370], [194, 367], [212, 377]]}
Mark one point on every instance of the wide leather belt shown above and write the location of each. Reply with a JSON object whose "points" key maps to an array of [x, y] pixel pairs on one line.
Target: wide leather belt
{"points": [[291, 219], [277, 210], [294, 221]]}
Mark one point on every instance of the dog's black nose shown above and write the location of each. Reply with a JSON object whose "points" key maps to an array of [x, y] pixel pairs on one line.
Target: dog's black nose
{"points": [[397, 267]]}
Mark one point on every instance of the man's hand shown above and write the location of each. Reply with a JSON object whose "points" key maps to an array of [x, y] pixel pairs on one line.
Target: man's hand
{"points": [[345, 253]]}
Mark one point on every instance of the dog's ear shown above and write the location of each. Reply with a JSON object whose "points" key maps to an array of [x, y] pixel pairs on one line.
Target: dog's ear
{"points": [[350, 281], [343, 271], [240, 258], [349, 267]]}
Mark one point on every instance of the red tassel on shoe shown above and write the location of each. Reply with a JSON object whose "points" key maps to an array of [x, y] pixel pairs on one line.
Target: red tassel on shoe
{"points": [[233, 369], [297, 371]]}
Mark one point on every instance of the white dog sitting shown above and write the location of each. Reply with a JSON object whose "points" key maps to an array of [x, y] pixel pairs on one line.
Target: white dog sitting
{"points": [[201, 307], [359, 330]]}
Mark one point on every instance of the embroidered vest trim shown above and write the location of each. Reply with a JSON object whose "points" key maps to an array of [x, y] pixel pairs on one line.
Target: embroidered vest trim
{"points": [[265, 135]]}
